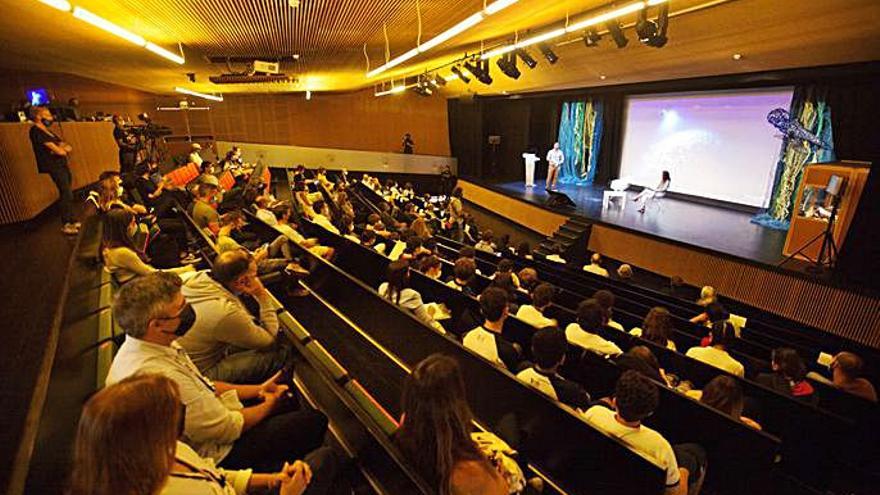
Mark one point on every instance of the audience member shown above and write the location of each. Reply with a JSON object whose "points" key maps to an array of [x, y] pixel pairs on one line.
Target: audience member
{"points": [[128, 442], [487, 242], [548, 349], [639, 358], [435, 432], [716, 354], [504, 281], [153, 313], [270, 257], [625, 272], [533, 314], [486, 340], [707, 296], [121, 257], [432, 267], [606, 299], [463, 275], [506, 266], [225, 342], [528, 279], [322, 218], [789, 376], [194, 154], [556, 252], [595, 265], [724, 394], [636, 398], [204, 214], [657, 327], [591, 317], [397, 290], [282, 214], [847, 370], [262, 210], [524, 249]]}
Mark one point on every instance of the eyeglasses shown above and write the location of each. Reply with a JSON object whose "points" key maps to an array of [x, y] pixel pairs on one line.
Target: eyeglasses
{"points": [[182, 309]]}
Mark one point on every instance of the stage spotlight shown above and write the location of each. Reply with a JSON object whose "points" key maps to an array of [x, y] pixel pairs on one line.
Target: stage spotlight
{"points": [[507, 64], [480, 70], [423, 86], [548, 53], [526, 58], [461, 75], [438, 80], [645, 29], [659, 39], [616, 33], [591, 38]]}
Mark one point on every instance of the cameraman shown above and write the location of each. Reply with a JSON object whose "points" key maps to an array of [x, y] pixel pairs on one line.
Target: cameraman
{"points": [[127, 146]]}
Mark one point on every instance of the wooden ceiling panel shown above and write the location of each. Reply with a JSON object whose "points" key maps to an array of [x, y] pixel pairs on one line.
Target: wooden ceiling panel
{"points": [[330, 36]]}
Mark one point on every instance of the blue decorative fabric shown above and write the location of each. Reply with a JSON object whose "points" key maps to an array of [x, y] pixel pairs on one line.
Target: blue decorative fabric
{"points": [[814, 115], [580, 134]]}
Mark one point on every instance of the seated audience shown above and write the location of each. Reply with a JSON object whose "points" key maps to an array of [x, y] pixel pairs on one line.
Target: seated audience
{"points": [[625, 272], [524, 249], [556, 252], [487, 242], [204, 214], [153, 313], [226, 342], [282, 214], [528, 279], [640, 358], [789, 376], [420, 227], [716, 354], [486, 340], [636, 398], [657, 328], [271, 257], [128, 442], [724, 394], [108, 196], [262, 210], [322, 216], [121, 257], [847, 370], [463, 272], [432, 267], [548, 349], [397, 290], [605, 298], [595, 265], [435, 432], [707, 296], [591, 317], [506, 266], [504, 281], [533, 314]]}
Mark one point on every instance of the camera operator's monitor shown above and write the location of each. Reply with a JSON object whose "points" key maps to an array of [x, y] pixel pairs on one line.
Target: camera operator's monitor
{"points": [[37, 96], [835, 182]]}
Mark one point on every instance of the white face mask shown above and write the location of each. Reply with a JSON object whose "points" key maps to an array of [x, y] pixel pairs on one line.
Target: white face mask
{"points": [[120, 191]]}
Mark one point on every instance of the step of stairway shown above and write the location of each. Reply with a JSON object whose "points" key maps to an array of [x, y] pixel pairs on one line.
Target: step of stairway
{"points": [[574, 222], [572, 236], [572, 229]]}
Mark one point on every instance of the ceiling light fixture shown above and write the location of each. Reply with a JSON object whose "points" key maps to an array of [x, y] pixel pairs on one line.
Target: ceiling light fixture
{"points": [[480, 70], [616, 32], [114, 29], [507, 64], [577, 26], [450, 33], [526, 58], [459, 73], [308, 94], [592, 37], [548, 53], [63, 5], [197, 94]]}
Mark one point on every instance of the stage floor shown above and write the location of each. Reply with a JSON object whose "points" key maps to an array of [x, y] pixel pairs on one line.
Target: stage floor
{"points": [[709, 227]]}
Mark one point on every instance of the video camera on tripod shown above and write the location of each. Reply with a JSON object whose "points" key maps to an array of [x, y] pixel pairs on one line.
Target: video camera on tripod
{"points": [[148, 130]]}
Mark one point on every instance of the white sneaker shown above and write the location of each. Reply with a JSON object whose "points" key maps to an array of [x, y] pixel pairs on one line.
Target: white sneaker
{"points": [[70, 229]]}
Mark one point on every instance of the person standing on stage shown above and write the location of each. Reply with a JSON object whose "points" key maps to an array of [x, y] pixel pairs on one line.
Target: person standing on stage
{"points": [[127, 146], [51, 153], [554, 161], [530, 158], [408, 144]]}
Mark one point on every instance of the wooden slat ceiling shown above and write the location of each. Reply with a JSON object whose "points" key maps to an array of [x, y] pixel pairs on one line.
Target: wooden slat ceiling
{"points": [[329, 36]]}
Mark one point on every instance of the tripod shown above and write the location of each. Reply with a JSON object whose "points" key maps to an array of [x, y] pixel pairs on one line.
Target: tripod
{"points": [[828, 252]]}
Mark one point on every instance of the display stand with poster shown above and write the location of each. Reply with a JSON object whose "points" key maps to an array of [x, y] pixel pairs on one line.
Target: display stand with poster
{"points": [[826, 202]]}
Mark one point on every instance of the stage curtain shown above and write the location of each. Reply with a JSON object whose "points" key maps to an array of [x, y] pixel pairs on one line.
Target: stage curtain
{"points": [[809, 107], [580, 137]]}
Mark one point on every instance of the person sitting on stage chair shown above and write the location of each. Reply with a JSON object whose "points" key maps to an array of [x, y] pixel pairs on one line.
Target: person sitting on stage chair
{"points": [[648, 193], [554, 161]]}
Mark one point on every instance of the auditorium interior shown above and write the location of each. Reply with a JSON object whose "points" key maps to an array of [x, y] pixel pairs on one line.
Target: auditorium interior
{"points": [[440, 247]]}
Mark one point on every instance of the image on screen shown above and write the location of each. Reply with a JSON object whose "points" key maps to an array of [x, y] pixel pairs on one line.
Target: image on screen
{"points": [[715, 144], [38, 96]]}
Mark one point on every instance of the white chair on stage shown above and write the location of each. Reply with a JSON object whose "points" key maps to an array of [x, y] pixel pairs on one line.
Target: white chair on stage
{"points": [[618, 190]]}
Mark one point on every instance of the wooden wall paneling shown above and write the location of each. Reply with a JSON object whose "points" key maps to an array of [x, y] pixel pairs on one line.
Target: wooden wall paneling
{"points": [[532, 217]]}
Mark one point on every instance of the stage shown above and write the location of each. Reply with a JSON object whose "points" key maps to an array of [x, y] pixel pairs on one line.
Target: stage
{"points": [[713, 228]]}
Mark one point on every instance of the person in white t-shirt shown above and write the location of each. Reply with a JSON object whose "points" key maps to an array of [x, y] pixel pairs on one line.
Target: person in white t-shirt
{"points": [[635, 398], [533, 314], [606, 299], [590, 318], [657, 327], [716, 355], [548, 349], [554, 161], [194, 156], [321, 216], [595, 265], [486, 339]]}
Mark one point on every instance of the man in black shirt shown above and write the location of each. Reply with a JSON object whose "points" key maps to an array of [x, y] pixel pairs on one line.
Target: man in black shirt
{"points": [[548, 349], [408, 144], [51, 154], [127, 146]]}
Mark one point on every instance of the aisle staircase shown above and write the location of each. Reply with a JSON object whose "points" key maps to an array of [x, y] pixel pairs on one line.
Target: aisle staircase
{"points": [[573, 236]]}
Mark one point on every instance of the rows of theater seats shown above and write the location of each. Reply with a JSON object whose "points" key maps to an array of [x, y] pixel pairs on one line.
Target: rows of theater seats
{"points": [[819, 446]]}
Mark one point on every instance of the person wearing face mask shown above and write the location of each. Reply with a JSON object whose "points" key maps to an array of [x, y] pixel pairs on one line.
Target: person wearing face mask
{"points": [[226, 343], [122, 258], [154, 314], [51, 154]]}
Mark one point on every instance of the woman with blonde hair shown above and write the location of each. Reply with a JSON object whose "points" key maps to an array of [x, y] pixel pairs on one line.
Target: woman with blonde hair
{"points": [[127, 444]]}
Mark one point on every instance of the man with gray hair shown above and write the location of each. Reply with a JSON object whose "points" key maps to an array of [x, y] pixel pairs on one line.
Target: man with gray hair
{"points": [[154, 313]]}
